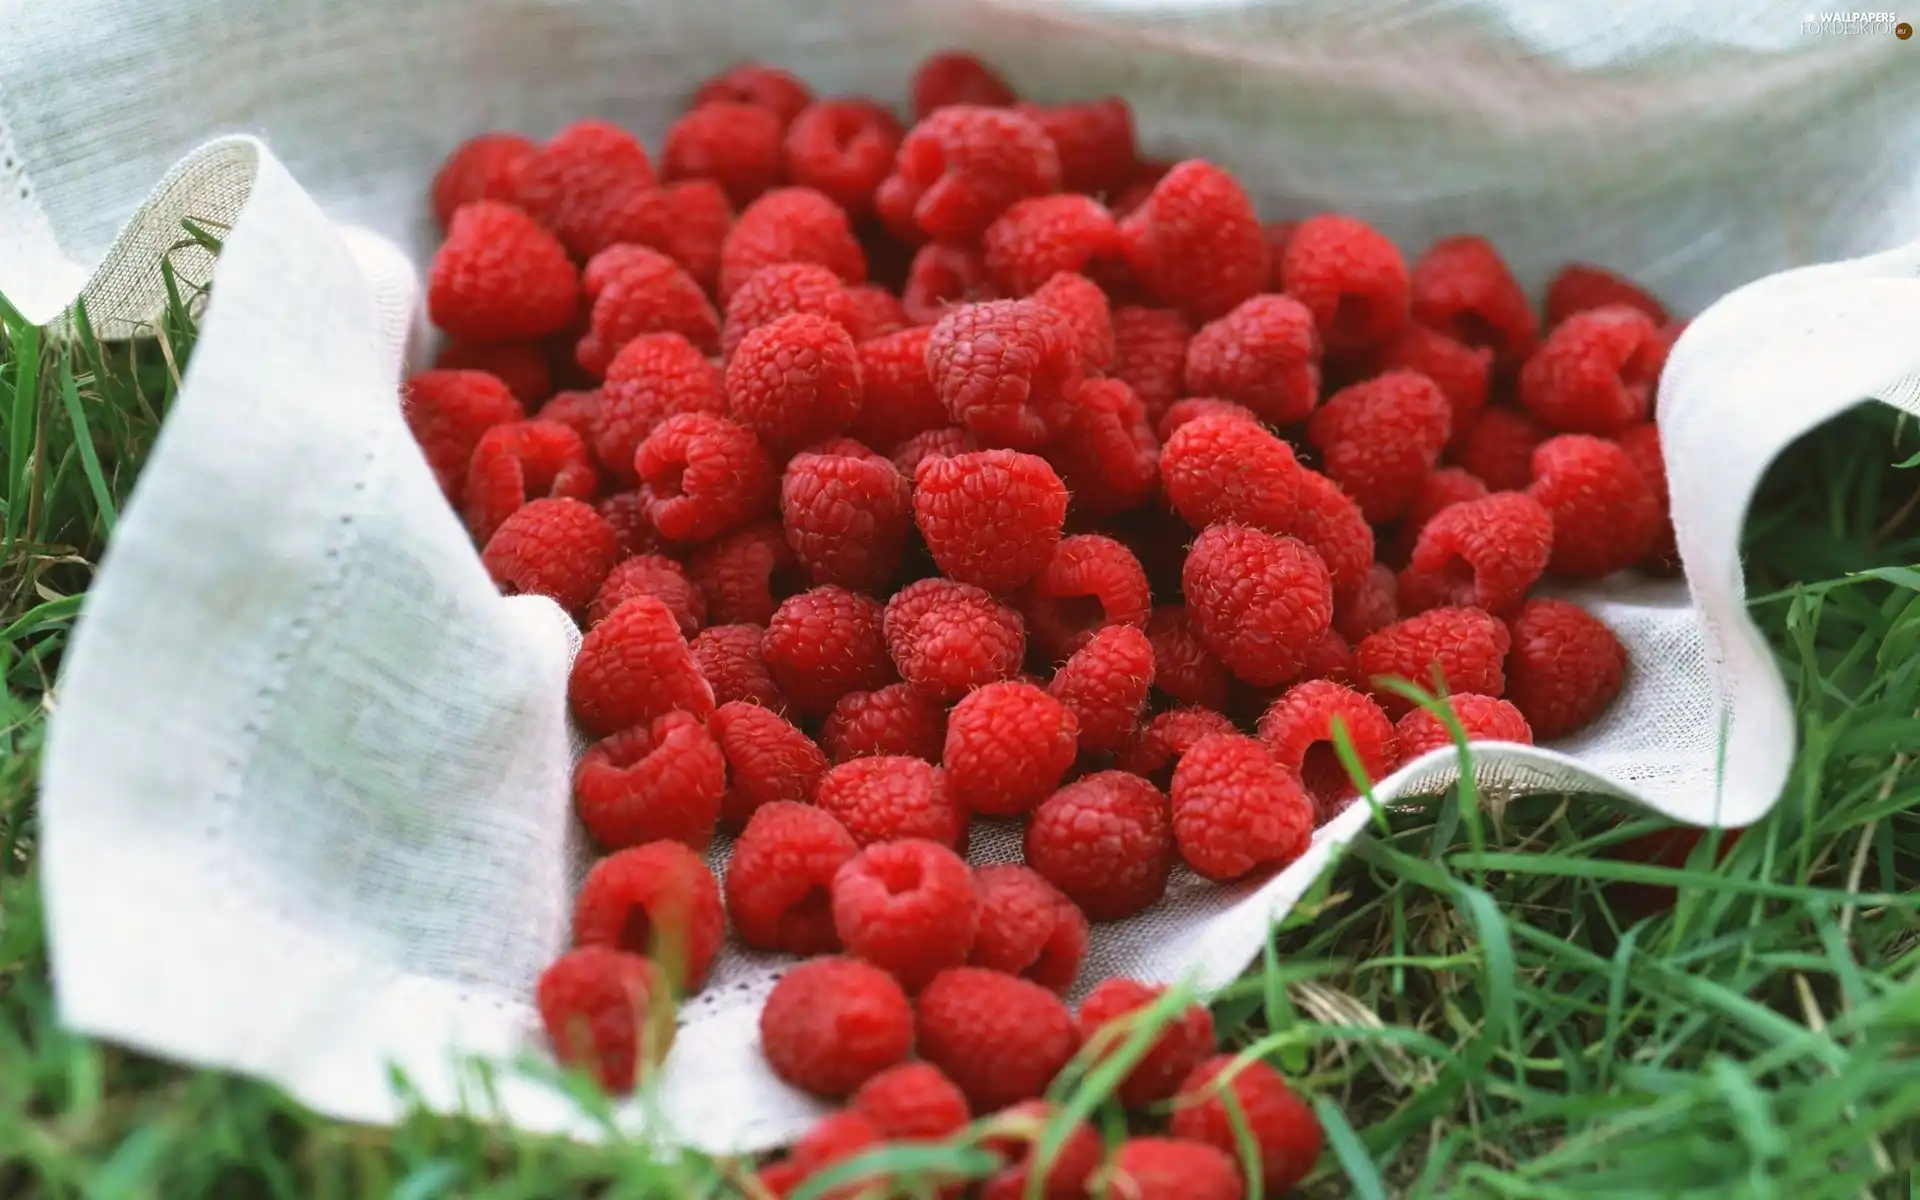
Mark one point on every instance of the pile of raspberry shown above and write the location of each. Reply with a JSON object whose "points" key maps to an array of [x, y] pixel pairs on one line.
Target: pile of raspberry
{"points": [[904, 476]]}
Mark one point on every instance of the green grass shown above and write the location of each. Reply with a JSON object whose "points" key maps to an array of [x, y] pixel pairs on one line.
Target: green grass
{"points": [[1479, 1002]]}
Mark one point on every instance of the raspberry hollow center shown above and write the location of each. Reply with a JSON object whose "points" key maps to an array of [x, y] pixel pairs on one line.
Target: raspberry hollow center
{"points": [[636, 932], [900, 877], [670, 483]]}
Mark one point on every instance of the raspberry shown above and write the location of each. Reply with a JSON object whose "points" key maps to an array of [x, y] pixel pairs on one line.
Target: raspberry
{"points": [[1007, 746], [1181, 1044], [688, 222], [1368, 608], [659, 899], [1150, 355], [1605, 516], [1194, 244], [480, 168], [1487, 552], [558, 548], [647, 293], [884, 798], [1236, 809], [932, 443], [1041, 236], [1027, 928], [834, 1138], [942, 277], [1351, 278], [794, 380], [1459, 371], [963, 166], [842, 149], [1151, 1168], [1327, 657], [831, 1024], [877, 313], [777, 291], [1000, 1039], [654, 377], [1595, 372], [634, 666], [578, 411], [1462, 288], [911, 1101], [1565, 666], [1642, 444], [1004, 369], [522, 461], [846, 515], [745, 575], [1284, 1129], [992, 518], [780, 875], [1181, 412], [654, 575], [1218, 469], [824, 643], [1183, 668], [1091, 582], [499, 276], [790, 225], [448, 412], [1378, 439], [1482, 719], [906, 906], [1465, 647], [728, 657], [1083, 305], [1298, 731], [1106, 453], [575, 183], [892, 720], [948, 638], [1106, 842], [1017, 1133], [768, 760], [1263, 354], [1105, 686], [704, 476], [1498, 449], [1441, 489], [607, 1011], [779, 92], [652, 781], [626, 512], [521, 365], [735, 145], [1094, 141], [955, 77], [1580, 287], [1333, 527], [1256, 598]]}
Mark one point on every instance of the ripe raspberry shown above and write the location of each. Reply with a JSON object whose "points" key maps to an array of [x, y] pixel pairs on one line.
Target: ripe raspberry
{"points": [[578, 411], [1333, 527], [1284, 1129], [842, 149], [1000, 1039], [1151, 1168], [1195, 244], [948, 638], [779, 92], [1465, 647], [794, 380], [884, 798], [1642, 444], [1441, 489], [1094, 140], [634, 666], [647, 293], [955, 77], [448, 412], [1368, 608], [790, 225], [1327, 657], [1183, 668], [1605, 516], [1595, 372], [606, 1011], [499, 276], [1236, 809], [768, 760], [1041, 236], [1150, 355], [654, 377], [1498, 449], [1193, 408], [907, 906], [1462, 288], [963, 166], [704, 476], [1256, 598], [1351, 278], [522, 461], [653, 575], [1004, 369], [1105, 686], [1016, 1137], [1482, 719], [521, 365], [1007, 746], [745, 575], [846, 515], [877, 312], [831, 1024], [557, 548], [912, 1101], [688, 222], [1378, 440], [1106, 453], [1566, 667], [658, 900], [735, 145], [1264, 354], [1027, 928], [892, 720], [942, 277], [834, 1139], [652, 781], [1183, 1042], [1218, 469], [824, 643], [1083, 305], [1461, 372], [784, 288], [1581, 287], [1091, 582], [728, 657], [480, 168], [1106, 842], [1487, 552], [932, 443], [575, 183], [780, 875], [991, 518], [1298, 731]]}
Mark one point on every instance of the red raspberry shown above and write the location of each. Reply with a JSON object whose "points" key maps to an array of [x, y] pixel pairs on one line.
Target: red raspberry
{"points": [[942, 277], [745, 575], [557, 548], [1351, 278], [578, 411], [1605, 516], [768, 760], [704, 475], [1217, 469], [1183, 668], [606, 1011], [1151, 1168], [1106, 842], [688, 222], [834, 1139], [779, 877], [1236, 809], [877, 313], [647, 293], [991, 518], [1263, 354], [1091, 582], [448, 412], [1462, 288], [1595, 372], [735, 145], [906, 906], [1007, 746], [654, 781], [1441, 489], [654, 377], [1150, 355], [782, 289], [653, 575], [1378, 439], [886, 797], [659, 900], [1004, 369], [1487, 552], [1094, 141], [1084, 306], [779, 92], [1498, 449], [932, 443], [1284, 1129], [1580, 287], [1027, 928], [824, 643], [498, 276], [1257, 598], [1482, 719], [1105, 686], [575, 183], [955, 77], [1298, 731], [892, 720], [1566, 667], [634, 666], [1106, 453], [912, 1101], [1642, 444], [1369, 608], [480, 168], [1016, 1135], [843, 149], [1464, 646], [1327, 657], [794, 381], [1460, 371], [1182, 1043], [962, 166], [831, 1024], [847, 516], [1041, 236], [790, 225], [1193, 408], [1000, 1039], [523, 461], [521, 365], [948, 638], [1333, 527], [1195, 244], [728, 657]]}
